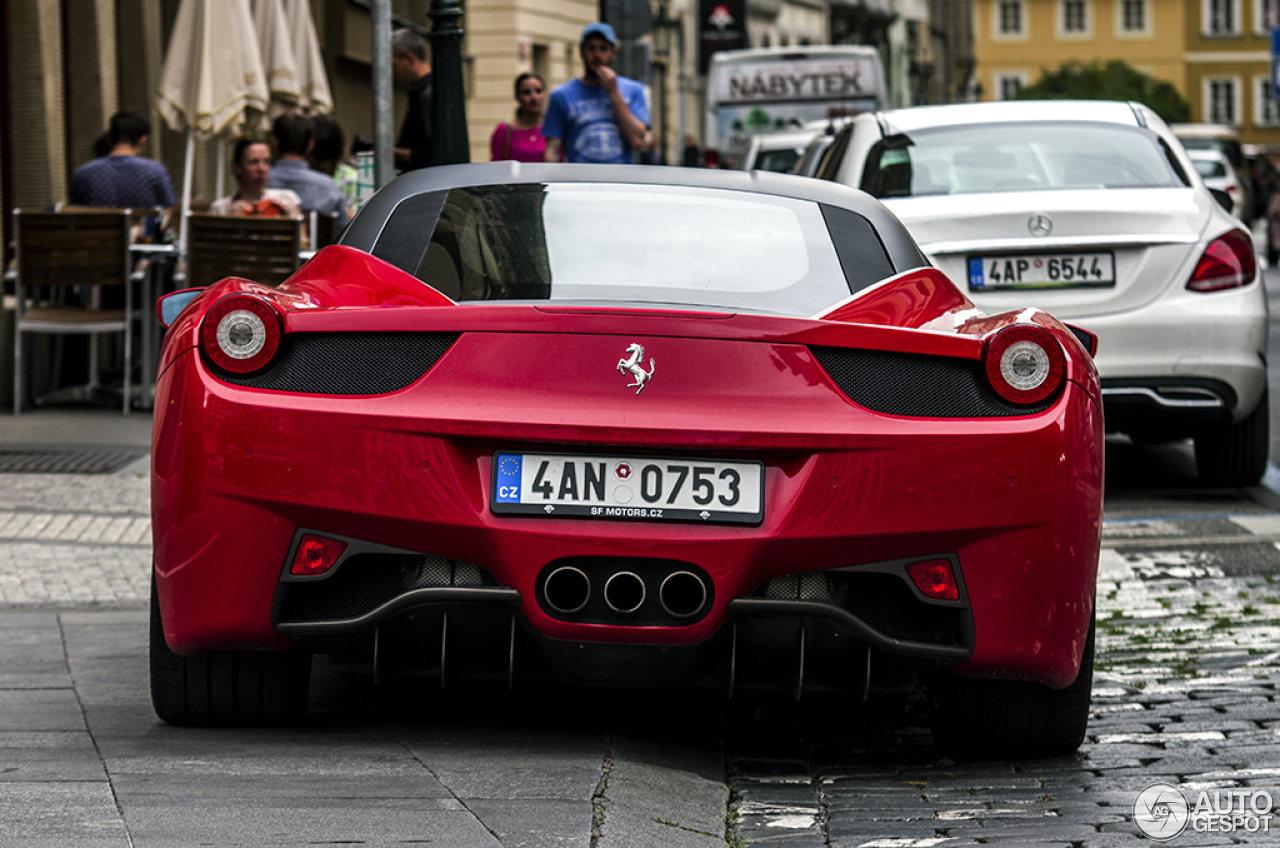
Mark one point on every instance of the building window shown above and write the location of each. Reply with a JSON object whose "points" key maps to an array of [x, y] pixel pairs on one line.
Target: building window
{"points": [[1265, 111], [1009, 84], [1133, 16], [1221, 17], [1266, 14], [1222, 100], [1074, 17], [1009, 17]]}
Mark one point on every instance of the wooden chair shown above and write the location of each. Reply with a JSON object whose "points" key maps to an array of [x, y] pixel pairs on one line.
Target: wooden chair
{"points": [[264, 250], [60, 251], [323, 228]]}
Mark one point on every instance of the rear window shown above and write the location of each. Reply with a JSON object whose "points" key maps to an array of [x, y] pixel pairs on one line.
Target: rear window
{"points": [[624, 243], [779, 161], [1226, 146], [1210, 167], [1019, 157]]}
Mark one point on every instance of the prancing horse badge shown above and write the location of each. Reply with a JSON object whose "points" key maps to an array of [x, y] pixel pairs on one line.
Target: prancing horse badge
{"points": [[635, 364]]}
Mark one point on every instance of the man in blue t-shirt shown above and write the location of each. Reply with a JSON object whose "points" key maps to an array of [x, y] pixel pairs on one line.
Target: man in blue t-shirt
{"points": [[599, 117]]}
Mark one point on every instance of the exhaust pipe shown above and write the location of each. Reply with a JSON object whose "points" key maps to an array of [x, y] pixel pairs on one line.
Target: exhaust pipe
{"points": [[624, 592], [567, 589], [682, 594]]}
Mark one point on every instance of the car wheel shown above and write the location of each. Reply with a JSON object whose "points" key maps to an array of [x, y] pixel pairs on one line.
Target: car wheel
{"points": [[1273, 250], [981, 718], [225, 687], [1236, 455]]}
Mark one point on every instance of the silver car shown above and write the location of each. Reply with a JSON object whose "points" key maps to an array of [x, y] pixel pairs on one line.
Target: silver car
{"points": [[1093, 212]]}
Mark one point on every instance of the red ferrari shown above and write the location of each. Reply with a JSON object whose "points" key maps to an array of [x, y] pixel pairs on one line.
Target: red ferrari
{"points": [[627, 426]]}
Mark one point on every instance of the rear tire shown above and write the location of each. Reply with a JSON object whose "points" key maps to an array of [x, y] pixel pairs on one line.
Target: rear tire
{"points": [[983, 719], [243, 688], [1236, 455]]}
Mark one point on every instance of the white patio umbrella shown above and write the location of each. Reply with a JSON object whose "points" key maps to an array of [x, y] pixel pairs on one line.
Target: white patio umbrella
{"points": [[314, 95], [275, 40], [212, 78]]}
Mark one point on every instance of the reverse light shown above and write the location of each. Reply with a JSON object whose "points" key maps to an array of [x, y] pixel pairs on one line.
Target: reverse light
{"points": [[1228, 263], [1025, 364], [316, 555], [935, 579], [241, 333]]}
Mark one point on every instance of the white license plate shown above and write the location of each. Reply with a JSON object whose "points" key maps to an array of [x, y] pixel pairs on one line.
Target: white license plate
{"points": [[1044, 271], [634, 488]]}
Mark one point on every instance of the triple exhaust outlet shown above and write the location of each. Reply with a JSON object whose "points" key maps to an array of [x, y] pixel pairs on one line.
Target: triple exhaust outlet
{"points": [[681, 593]]}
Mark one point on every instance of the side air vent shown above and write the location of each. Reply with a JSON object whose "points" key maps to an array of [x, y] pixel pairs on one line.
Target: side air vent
{"points": [[348, 363], [366, 582], [883, 602], [916, 385]]}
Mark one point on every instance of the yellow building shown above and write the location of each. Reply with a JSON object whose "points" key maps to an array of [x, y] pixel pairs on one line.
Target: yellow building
{"points": [[1215, 52], [1015, 41], [1228, 66]]}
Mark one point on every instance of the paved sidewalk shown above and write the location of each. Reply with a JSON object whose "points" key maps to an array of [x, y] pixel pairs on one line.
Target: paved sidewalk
{"points": [[75, 539]]}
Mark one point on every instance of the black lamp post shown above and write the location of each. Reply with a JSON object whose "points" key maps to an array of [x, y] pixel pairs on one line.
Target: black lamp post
{"points": [[449, 144], [664, 28]]}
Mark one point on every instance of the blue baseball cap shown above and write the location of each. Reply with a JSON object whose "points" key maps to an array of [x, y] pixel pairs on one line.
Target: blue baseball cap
{"points": [[603, 30]]}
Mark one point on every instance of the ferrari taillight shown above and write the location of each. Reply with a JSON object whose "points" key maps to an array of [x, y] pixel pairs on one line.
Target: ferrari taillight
{"points": [[1025, 364], [316, 555], [241, 333], [1228, 263], [935, 579]]}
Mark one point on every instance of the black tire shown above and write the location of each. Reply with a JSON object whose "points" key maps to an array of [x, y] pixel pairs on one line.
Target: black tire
{"points": [[1273, 252], [1236, 455], [984, 719], [239, 688]]}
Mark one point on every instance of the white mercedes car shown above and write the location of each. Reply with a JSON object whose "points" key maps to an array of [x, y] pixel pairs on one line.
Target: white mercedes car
{"points": [[1092, 211]]}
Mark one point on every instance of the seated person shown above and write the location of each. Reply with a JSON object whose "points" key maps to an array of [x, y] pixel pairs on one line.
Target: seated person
{"points": [[123, 178], [318, 192], [251, 164]]}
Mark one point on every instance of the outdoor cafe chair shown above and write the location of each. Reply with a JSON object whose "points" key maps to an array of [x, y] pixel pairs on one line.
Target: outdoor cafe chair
{"points": [[264, 250], [56, 253]]}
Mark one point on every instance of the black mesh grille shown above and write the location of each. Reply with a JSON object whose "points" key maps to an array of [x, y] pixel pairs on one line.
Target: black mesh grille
{"points": [[916, 385], [367, 581], [349, 363]]}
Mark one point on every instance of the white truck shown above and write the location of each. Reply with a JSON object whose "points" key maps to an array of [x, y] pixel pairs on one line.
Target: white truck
{"points": [[767, 89]]}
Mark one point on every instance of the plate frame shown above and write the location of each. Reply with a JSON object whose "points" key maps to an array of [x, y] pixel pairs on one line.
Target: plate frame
{"points": [[1050, 286], [666, 515]]}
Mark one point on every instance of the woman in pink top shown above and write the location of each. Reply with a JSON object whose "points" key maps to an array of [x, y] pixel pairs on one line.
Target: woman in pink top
{"points": [[521, 139]]}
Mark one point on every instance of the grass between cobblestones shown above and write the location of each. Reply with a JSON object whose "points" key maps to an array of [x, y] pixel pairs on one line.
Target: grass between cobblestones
{"points": [[1184, 692]]}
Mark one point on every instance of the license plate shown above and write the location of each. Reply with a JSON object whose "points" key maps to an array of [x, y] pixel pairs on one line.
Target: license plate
{"points": [[629, 488], [1044, 271]]}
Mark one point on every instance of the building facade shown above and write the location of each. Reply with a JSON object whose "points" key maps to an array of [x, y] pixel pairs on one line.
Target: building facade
{"points": [[1015, 41], [1215, 52], [1228, 66], [67, 65]]}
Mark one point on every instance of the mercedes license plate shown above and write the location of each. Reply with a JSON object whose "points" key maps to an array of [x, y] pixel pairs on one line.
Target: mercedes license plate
{"points": [[1043, 271], [622, 487]]}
